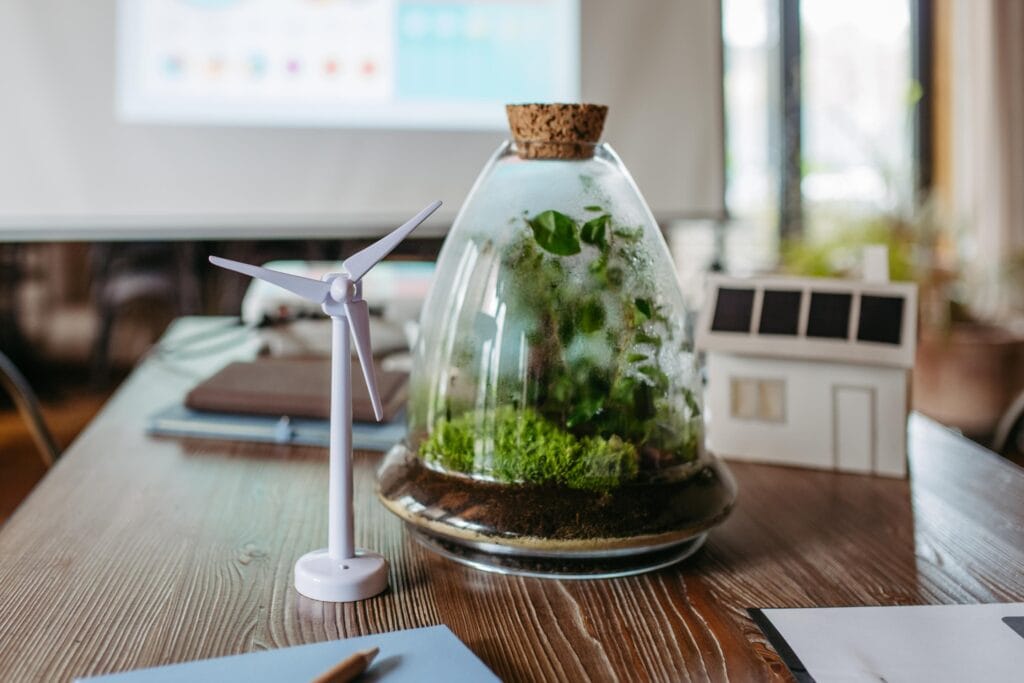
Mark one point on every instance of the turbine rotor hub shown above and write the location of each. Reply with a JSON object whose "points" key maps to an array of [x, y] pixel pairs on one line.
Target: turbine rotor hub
{"points": [[343, 289]]}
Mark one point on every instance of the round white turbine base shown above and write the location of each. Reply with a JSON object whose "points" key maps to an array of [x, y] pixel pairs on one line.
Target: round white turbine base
{"points": [[320, 577]]}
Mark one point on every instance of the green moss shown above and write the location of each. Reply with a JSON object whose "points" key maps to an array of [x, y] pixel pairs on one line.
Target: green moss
{"points": [[454, 442], [530, 449]]}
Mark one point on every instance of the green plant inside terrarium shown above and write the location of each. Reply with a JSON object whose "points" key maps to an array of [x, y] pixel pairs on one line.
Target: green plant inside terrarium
{"points": [[599, 410]]}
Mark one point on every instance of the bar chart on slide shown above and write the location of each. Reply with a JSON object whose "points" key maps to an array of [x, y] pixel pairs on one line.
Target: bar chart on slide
{"points": [[358, 63]]}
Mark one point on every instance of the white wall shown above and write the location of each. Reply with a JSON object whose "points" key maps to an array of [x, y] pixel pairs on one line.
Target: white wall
{"points": [[806, 437], [70, 170]]}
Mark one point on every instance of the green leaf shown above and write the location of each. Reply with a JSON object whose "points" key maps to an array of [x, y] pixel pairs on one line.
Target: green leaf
{"points": [[691, 403], [595, 231], [556, 233], [636, 357], [658, 378], [591, 316], [645, 307], [644, 338], [584, 411], [649, 371], [593, 207], [631, 234], [562, 388]]}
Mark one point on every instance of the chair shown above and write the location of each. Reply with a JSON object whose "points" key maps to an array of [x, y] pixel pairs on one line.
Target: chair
{"points": [[28, 405], [125, 273], [1009, 436]]}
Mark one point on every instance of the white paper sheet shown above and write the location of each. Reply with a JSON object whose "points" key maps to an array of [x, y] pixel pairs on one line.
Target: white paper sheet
{"points": [[932, 643]]}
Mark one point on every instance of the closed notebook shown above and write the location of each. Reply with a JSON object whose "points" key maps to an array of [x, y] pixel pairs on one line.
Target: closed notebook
{"points": [[296, 387]]}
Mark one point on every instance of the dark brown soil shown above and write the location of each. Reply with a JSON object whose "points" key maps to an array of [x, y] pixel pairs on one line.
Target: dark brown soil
{"points": [[556, 512]]}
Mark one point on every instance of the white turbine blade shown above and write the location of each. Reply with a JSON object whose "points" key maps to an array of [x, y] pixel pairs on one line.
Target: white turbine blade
{"points": [[308, 288], [358, 314], [357, 265]]}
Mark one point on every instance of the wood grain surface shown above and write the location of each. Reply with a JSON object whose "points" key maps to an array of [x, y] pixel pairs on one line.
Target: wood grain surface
{"points": [[137, 551]]}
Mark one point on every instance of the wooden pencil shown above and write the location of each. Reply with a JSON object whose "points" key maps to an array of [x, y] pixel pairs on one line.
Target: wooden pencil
{"points": [[349, 668]]}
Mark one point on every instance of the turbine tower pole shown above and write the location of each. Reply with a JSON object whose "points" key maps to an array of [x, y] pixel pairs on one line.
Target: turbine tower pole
{"points": [[340, 525]]}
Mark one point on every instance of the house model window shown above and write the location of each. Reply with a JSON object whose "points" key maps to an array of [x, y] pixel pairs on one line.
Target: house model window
{"points": [[758, 399]]}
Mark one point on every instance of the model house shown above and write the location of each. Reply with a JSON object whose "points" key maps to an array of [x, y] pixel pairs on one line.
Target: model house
{"points": [[809, 372]]}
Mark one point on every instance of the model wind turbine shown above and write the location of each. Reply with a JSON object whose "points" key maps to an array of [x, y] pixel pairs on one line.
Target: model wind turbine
{"points": [[340, 573]]}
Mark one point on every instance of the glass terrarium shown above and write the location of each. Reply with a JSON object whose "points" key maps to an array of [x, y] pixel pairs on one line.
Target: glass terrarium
{"points": [[555, 423]]}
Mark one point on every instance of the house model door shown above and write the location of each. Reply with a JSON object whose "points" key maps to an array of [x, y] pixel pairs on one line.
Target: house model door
{"points": [[853, 428]]}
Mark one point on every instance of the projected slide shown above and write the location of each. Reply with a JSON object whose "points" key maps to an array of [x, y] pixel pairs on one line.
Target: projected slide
{"points": [[346, 63]]}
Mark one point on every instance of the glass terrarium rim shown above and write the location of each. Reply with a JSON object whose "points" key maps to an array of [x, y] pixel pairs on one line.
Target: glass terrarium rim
{"points": [[567, 143], [600, 150]]}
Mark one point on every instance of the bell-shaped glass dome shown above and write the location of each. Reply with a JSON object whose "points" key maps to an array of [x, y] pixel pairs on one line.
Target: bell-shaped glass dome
{"points": [[555, 399]]}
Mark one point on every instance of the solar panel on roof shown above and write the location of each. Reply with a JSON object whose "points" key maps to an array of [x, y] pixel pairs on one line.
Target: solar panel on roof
{"points": [[881, 319], [780, 312], [829, 316], [733, 308]]}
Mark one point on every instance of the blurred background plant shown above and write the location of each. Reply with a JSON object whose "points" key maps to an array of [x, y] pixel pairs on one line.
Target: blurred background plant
{"points": [[925, 246], [970, 358]]}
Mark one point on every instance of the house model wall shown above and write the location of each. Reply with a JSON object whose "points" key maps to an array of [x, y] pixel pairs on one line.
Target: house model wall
{"points": [[809, 372]]}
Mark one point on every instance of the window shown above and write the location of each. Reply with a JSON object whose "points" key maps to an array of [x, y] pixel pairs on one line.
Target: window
{"points": [[752, 123], [758, 399], [857, 98], [820, 104]]}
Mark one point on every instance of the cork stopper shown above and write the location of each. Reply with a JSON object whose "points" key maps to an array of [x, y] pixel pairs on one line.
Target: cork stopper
{"points": [[556, 131]]}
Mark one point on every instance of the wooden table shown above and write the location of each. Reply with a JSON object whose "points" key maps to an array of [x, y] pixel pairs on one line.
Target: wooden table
{"points": [[137, 551]]}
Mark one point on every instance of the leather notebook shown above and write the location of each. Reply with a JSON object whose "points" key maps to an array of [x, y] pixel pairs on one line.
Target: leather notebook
{"points": [[296, 387]]}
